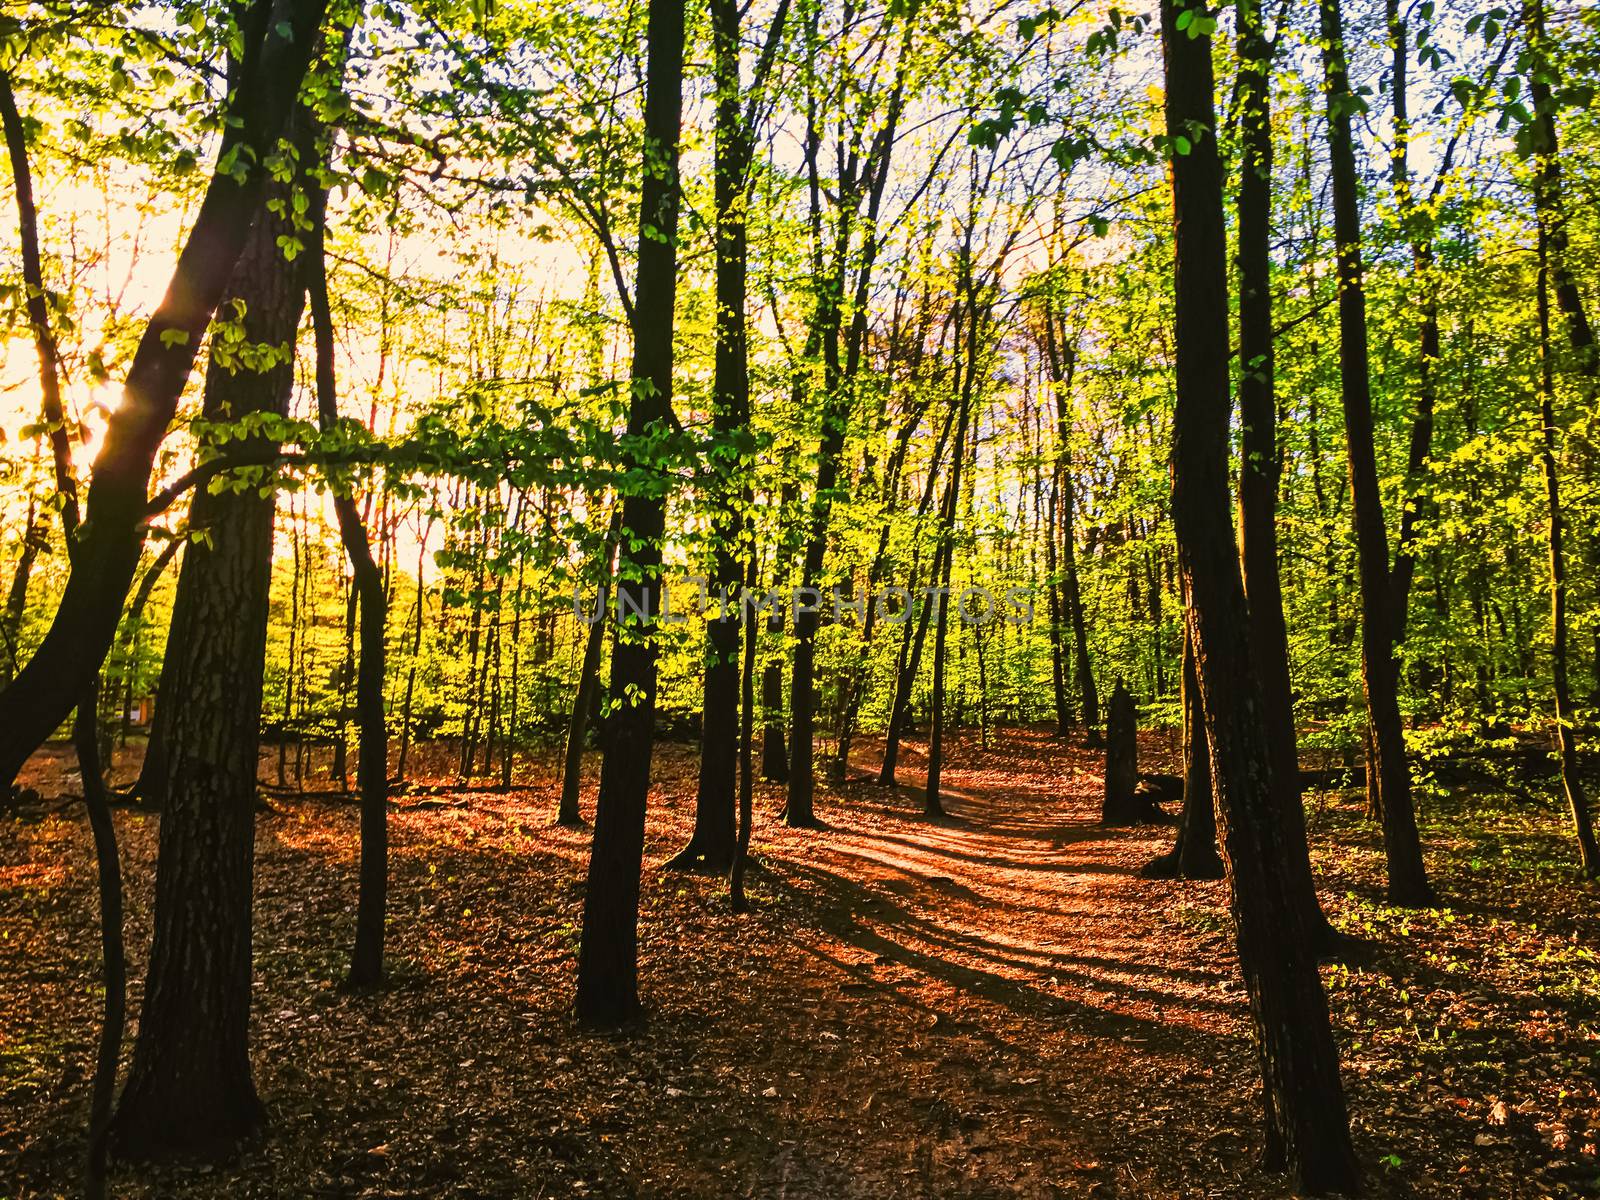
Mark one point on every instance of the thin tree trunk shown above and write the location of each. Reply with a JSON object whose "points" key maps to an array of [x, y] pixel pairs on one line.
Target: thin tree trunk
{"points": [[33, 538], [1566, 742], [931, 804], [1388, 766], [372, 755], [416, 653], [85, 731], [569, 813]]}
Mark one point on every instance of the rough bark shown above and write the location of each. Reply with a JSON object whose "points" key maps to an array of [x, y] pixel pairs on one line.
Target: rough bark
{"points": [[190, 1090], [1261, 463]]}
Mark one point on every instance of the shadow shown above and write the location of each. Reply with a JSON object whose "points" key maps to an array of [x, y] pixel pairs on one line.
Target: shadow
{"points": [[841, 905]]}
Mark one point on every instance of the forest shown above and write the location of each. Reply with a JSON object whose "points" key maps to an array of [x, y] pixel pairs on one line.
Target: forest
{"points": [[799, 598]]}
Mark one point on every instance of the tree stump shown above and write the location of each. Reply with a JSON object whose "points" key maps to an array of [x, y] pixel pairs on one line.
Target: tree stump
{"points": [[1122, 759]]}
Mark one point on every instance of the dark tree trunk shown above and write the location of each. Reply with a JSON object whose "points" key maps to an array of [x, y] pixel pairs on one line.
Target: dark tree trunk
{"points": [[112, 954], [1119, 806], [608, 962], [1408, 879], [913, 626], [711, 845], [774, 754], [1307, 1126], [1260, 461], [190, 1090], [411, 671], [1063, 356], [568, 812], [1058, 664], [1553, 275], [859, 678], [372, 755], [747, 731], [33, 539], [1421, 444], [1566, 742], [968, 347], [1194, 852], [278, 39], [839, 372], [908, 666], [85, 729]]}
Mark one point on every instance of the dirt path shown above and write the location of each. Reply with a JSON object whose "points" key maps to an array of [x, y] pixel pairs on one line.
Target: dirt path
{"points": [[990, 1005], [1070, 1028]]}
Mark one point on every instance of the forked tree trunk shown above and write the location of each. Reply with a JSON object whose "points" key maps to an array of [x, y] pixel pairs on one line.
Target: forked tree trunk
{"points": [[1307, 1125], [608, 957], [711, 845]]}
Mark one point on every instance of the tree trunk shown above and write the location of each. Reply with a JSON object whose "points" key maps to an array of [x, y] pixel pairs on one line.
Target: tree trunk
{"points": [[931, 804], [85, 730], [1194, 851], [1307, 1126], [711, 845], [608, 972], [568, 812], [411, 671], [190, 1090], [1552, 249], [1260, 461], [372, 755], [1119, 806], [1408, 879]]}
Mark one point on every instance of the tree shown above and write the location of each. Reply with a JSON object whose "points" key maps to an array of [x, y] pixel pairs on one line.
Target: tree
{"points": [[276, 38], [85, 731], [190, 1090], [712, 844], [1307, 1127], [608, 971], [372, 766], [1555, 275], [1260, 467], [1387, 767]]}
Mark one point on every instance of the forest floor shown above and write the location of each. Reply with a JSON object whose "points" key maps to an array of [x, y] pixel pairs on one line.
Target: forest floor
{"points": [[995, 1004]]}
